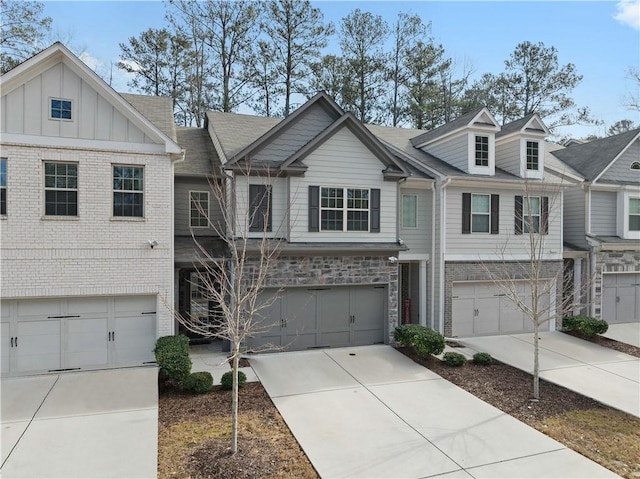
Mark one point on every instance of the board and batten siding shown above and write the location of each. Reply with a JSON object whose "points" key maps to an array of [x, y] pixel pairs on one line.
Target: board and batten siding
{"points": [[621, 170], [25, 110], [603, 213], [573, 217], [508, 155], [506, 244], [182, 207], [343, 161], [418, 239], [295, 136], [453, 150], [279, 206]]}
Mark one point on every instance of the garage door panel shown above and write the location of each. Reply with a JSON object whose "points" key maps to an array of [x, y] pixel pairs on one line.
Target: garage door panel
{"points": [[39, 307], [621, 298], [135, 304], [300, 312], [88, 305], [87, 343], [367, 305], [511, 317], [487, 320], [5, 345], [39, 345], [463, 313], [335, 310], [336, 339], [134, 339]]}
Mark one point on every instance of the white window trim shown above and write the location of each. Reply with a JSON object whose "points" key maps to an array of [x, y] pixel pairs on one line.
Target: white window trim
{"points": [[73, 112], [488, 214], [345, 209], [208, 208], [416, 211], [526, 201], [524, 172], [143, 192], [481, 170], [623, 215], [45, 189]]}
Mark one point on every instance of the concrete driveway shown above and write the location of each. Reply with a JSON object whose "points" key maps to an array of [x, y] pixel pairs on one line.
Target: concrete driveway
{"points": [[603, 374], [371, 412], [628, 333], [81, 425]]}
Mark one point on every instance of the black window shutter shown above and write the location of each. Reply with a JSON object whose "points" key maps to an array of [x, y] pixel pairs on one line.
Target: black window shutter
{"points": [[495, 214], [259, 207], [314, 209], [375, 210], [466, 213], [518, 215], [544, 227]]}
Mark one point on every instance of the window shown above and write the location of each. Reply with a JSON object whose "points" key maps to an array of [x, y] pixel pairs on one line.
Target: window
{"points": [[635, 165], [533, 162], [3, 186], [60, 189], [60, 109], [333, 209], [259, 208], [128, 191], [482, 150], [531, 214], [409, 211], [480, 213], [634, 214], [199, 209]]}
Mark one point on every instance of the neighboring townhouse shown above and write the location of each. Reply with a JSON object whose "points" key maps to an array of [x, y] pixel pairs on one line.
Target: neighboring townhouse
{"points": [[86, 220], [602, 225]]}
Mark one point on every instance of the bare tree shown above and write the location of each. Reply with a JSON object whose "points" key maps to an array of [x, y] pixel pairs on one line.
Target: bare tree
{"points": [[632, 99]]}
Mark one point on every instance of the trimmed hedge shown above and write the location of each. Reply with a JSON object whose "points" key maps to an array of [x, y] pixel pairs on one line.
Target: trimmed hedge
{"points": [[226, 381], [172, 355], [200, 382], [454, 359], [483, 359], [425, 341], [585, 325]]}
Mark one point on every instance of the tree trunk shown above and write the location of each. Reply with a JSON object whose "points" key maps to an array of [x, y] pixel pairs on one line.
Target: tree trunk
{"points": [[536, 360], [234, 401]]}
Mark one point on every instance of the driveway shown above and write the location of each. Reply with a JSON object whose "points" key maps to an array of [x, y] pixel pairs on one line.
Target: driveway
{"points": [[371, 412], [608, 376], [628, 333], [81, 425]]}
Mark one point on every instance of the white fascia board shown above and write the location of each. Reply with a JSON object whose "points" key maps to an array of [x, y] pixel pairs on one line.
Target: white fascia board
{"points": [[475, 257], [417, 183], [405, 256], [82, 144]]}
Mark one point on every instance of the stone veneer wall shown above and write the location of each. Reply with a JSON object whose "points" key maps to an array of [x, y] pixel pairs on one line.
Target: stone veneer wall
{"points": [[465, 271], [338, 270], [612, 262]]}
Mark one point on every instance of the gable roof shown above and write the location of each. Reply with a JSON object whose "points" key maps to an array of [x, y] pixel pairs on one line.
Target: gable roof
{"points": [[157, 109], [58, 53], [201, 158], [235, 131], [469, 119], [593, 158], [531, 123]]}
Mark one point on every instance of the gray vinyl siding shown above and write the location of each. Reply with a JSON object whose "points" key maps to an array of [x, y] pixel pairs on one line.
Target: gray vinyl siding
{"points": [[26, 110], [418, 239], [621, 168], [296, 135], [182, 207], [508, 156], [506, 243], [603, 212], [573, 216], [279, 205], [454, 151]]}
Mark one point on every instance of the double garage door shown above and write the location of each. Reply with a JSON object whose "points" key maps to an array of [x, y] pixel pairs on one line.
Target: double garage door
{"points": [[483, 309], [302, 318], [49, 335], [621, 297]]}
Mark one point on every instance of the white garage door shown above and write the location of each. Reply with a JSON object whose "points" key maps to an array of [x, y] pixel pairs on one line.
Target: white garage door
{"points": [[483, 309], [621, 297], [50, 335], [302, 318]]}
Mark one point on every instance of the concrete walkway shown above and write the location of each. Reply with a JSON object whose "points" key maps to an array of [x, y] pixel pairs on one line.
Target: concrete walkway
{"points": [[372, 412], [81, 425], [608, 376], [211, 358], [628, 333]]}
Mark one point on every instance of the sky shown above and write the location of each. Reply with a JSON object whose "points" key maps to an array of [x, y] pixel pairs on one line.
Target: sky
{"points": [[602, 39]]}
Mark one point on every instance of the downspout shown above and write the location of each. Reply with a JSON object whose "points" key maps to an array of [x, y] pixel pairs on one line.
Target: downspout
{"points": [[443, 209], [175, 283]]}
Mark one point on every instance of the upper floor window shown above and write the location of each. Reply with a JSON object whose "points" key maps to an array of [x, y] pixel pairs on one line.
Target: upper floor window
{"points": [[482, 150], [259, 208], [344, 209], [531, 214], [3, 186], [635, 165], [533, 160], [634, 214], [60, 109], [409, 211], [128, 191], [199, 209], [60, 189], [480, 213]]}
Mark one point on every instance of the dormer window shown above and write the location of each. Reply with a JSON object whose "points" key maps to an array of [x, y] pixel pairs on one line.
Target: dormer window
{"points": [[635, 165], [533, 160], [482, 150], [60, 109]]}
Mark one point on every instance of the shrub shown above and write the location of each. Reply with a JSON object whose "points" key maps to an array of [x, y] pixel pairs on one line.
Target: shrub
{"points": [[424, 340], [585, 325], [226, 381], [172, 355], [483, 359], [200, 382], [454, 359]]}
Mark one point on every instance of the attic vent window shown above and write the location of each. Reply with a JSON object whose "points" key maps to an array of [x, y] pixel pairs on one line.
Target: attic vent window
{"points": [[60, 109], [635, 165]]}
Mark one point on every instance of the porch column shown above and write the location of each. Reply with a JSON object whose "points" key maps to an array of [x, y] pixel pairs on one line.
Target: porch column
{"points": [[577, 286], [423, 292]]}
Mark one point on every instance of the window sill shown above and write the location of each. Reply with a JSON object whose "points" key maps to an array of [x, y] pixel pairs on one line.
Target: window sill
{"points": [[59, 218], [134, 219]]}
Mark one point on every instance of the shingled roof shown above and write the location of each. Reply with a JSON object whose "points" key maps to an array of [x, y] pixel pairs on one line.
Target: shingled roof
{"points": [[235, 131], [157, 109], [447, 128], [201, 158]]}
